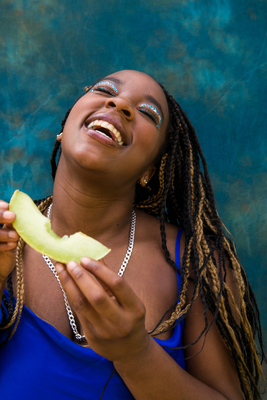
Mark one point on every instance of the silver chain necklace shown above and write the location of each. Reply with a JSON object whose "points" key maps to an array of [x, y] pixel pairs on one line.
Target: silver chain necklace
{"points": [[124, 264]]}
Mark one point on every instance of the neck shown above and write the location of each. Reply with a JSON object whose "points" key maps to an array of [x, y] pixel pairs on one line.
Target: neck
{"points": [[99, 211]]}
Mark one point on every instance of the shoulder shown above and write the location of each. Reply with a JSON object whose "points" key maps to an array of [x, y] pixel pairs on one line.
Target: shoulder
{"points": [[152, 277], [151, 233]]}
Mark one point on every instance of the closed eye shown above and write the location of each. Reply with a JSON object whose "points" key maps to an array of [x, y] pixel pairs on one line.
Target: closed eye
{"points": [[152, 113], [149, 115], [105, 87], [101, 89]]}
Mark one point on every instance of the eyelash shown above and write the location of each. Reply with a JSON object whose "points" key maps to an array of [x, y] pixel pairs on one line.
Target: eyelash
{"points": [[147, 109]]}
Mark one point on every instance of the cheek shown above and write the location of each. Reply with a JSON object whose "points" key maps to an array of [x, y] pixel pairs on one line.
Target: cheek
{"points": [[154, 140], [75, 115], [149, 146], [75, 120], [148, 132], [79, 111]]}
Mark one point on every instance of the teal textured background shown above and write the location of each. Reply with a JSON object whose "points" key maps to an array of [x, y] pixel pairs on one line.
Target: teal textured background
{"points": [[211, 55]]}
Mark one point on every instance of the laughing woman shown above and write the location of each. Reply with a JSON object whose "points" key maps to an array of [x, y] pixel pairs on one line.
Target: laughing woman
{"points": [[168, 314]]}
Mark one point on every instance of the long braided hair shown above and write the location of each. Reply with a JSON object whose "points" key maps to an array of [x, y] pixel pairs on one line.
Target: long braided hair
{"points": [[180, 192], [183, 196]]}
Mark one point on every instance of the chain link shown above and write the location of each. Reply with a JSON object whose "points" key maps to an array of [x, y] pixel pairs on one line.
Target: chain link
{"points": [[67, 305], [130, 245]]}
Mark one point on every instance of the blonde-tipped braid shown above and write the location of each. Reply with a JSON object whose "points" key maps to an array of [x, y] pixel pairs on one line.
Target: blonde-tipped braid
{"points": [[204, 236], [20, 290], [153, 204], [19, 277]]}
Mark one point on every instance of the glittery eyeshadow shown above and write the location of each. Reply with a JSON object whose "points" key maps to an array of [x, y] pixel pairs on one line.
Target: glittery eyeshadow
{"points": [[155, 111], [106, 83]]}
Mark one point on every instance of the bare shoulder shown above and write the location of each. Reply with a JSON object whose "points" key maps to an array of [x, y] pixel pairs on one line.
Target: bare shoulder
{"points": [[150, 230], [151, 276]]}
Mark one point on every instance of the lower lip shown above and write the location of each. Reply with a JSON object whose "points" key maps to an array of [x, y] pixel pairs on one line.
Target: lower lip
{"points": [[101, 138]]}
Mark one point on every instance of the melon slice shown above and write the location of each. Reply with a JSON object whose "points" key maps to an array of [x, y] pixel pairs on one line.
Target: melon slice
{"points": [[35, 229]]}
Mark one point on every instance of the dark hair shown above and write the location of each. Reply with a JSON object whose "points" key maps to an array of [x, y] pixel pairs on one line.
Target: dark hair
{"points": [[180, 192]]}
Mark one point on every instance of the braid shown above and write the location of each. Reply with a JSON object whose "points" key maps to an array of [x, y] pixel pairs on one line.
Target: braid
{"points": [[57, 146], [14, 316], [53, 158], [185, 198]]}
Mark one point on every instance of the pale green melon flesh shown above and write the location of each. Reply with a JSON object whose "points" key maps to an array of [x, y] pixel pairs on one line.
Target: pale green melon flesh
{"points": [[35, 229]]}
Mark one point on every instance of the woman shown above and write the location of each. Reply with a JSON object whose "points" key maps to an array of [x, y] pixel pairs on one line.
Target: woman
{"points": [[128, 153]]}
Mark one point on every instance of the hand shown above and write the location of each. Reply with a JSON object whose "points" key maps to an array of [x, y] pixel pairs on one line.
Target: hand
{"points": [[111, 315], [8, 241]]}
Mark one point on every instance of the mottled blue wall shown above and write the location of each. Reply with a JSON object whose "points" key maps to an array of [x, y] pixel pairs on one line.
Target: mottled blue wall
{"points": [[210, 54]]}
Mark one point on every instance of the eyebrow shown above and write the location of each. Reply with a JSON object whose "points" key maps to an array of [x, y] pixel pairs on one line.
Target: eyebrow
{"points": [[147, 97]]}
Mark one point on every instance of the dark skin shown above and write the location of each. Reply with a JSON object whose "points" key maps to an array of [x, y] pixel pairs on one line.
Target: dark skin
{"points": [[117, 313]]}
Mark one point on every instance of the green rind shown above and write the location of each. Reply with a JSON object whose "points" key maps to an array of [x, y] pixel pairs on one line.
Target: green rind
{"points": [[35, 229]]}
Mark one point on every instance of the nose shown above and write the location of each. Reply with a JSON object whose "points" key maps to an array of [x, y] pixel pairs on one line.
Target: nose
{"points": [[121, 104]]}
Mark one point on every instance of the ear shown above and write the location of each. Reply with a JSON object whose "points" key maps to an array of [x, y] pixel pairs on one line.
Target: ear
{"points": [[147, 175]]}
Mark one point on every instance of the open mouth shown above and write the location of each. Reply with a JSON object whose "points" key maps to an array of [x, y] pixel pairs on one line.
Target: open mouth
{"points": [[106, 129]]}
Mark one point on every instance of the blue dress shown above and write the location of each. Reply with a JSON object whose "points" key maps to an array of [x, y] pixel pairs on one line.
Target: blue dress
{"points": [[40, 363]]}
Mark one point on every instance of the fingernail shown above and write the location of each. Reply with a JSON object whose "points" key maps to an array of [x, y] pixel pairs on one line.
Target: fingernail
{"points": [[71, 265], [12, 235], [86, 260], [59, 267], [8, 214], [74, 269]]}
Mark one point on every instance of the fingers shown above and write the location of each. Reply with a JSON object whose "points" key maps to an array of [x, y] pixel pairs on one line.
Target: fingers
{"points": [[8, 239], [6, 216], [98, 295], [104, 320], [8, 236], [4, 205], [84, 299], [69, 286], [118, 286], [86, 293]]}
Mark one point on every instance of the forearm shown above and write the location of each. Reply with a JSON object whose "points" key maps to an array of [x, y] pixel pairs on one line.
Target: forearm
{"points": [[155, 375]]}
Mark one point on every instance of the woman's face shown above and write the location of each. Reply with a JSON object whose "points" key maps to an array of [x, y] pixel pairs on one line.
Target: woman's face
{"points": [[118, 127]]}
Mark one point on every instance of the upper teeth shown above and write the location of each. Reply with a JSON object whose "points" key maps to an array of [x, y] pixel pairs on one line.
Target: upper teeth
{"points": [[98, 123]]}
